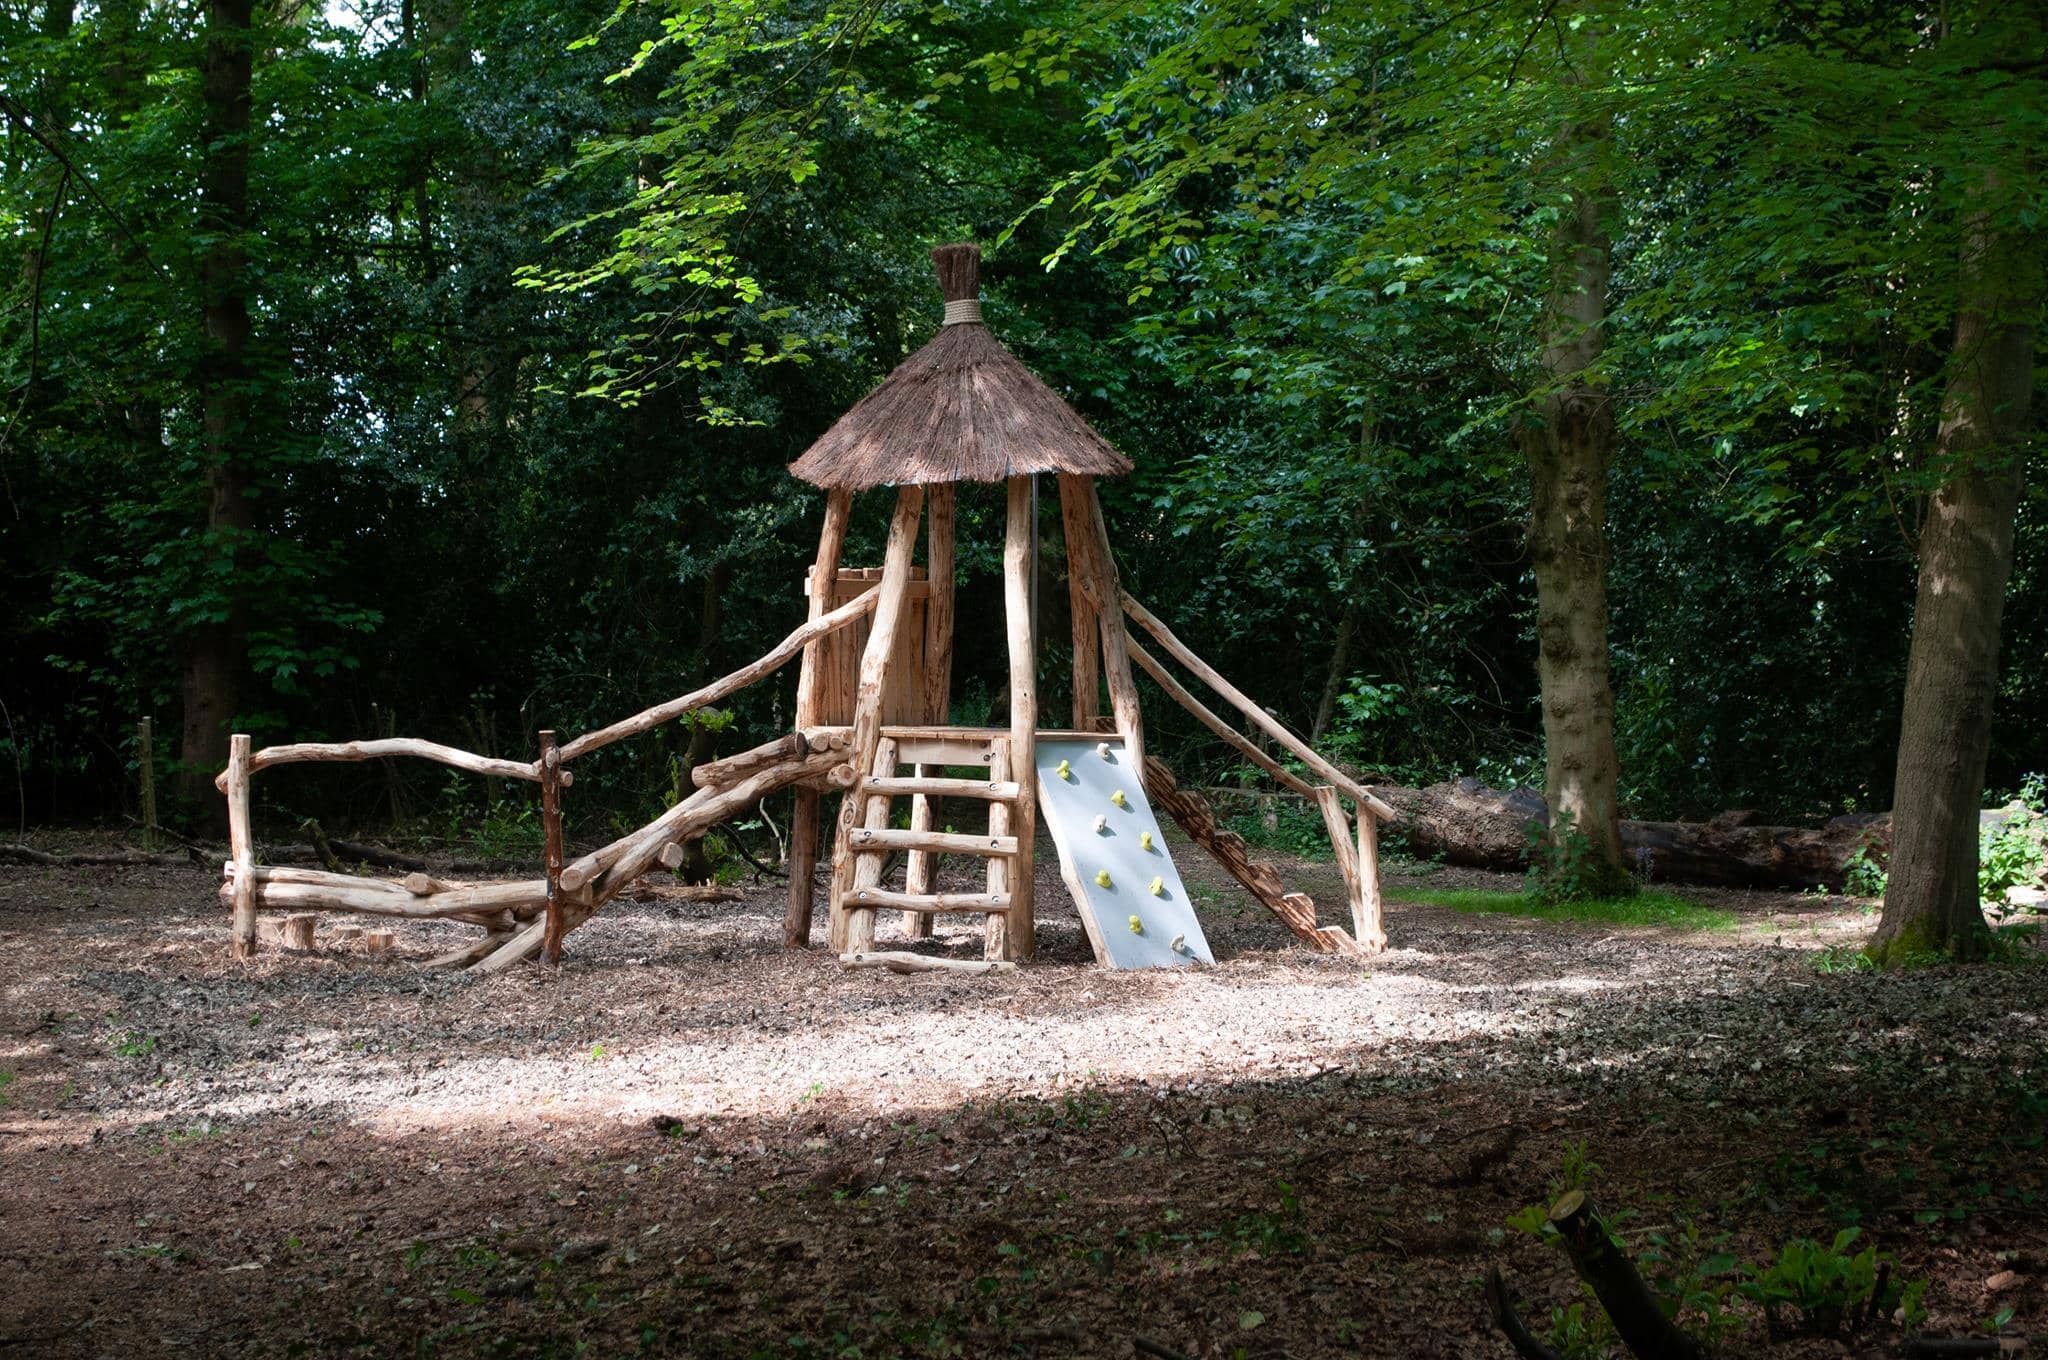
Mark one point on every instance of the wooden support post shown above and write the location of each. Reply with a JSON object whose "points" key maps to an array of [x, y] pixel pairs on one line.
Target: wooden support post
{"points": [[919, 876], [1368, 914], [804, 813], [1099, 583], [1020, 933], [1080, 532], [996, 929], [241, 849], [853, 927], [869, 695], [145, 764], [936, 704], [551, 831]]}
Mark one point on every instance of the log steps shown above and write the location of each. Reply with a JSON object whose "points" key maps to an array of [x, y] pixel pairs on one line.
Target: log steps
{"points": [[873, 841]]}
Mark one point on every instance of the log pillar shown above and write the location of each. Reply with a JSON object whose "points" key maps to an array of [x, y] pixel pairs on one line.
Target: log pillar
{"points": [[551, 830], [1014, 935], [804, 816], [241, 849]]}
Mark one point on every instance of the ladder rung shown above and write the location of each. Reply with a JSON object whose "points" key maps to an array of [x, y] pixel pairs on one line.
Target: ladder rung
{"points": [[939, 842], [931, 902], [903, 786]]}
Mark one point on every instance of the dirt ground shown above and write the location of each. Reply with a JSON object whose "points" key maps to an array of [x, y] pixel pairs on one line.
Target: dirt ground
{"points": [[689, 1143]]}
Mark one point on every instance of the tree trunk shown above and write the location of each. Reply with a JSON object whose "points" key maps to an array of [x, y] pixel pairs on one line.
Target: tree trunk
{"points": [[1966, 556], [696, 866], [1340, 668], [215, 652], [1568, 442]]}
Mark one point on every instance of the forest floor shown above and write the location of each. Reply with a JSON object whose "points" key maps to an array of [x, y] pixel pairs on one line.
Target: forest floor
{"points": [[688, 1142]]}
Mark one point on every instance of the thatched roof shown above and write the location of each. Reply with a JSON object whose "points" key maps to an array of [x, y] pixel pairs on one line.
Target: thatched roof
{"points": [[962, 409]]}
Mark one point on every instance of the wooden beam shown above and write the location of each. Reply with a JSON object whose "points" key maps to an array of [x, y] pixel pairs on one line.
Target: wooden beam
{"points": [[1263, 720], [550, 763], [903, 786], [1099, 581], [1018, 936], [1087, 629], [297, 752], [1369, 915], [773, 660], [810, 685], [1238, 741], [853, 927], [938, 842], [924, 904], [869, 693]]}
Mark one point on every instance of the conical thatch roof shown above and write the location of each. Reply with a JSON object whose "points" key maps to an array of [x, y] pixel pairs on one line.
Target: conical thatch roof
{"points": [[962, 409]]}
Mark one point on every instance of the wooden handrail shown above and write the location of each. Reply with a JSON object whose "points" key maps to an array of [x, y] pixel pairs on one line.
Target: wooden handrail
{"points": [[1265, 721], [297, 752], [805, 633]]}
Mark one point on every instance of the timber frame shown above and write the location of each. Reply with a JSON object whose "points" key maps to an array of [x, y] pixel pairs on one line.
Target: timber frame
{"points": [[872, 699]]}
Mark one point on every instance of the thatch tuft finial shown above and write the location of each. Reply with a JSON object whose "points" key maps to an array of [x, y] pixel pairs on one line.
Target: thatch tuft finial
{"points": [[959, 268]]}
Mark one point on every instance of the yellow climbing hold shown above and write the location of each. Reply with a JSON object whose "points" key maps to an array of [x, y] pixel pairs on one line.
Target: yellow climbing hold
{"points": [[1158, 888], [1102, 878], [1144, 840], [1137, 926], [1064, 770], [1119, 799]]}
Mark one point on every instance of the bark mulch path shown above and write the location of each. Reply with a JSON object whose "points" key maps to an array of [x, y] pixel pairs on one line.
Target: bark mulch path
{"points": [[689, 1143]]}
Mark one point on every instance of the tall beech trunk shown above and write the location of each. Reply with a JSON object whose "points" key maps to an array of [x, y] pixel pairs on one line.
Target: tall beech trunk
{"points": [[214, 657], [1966, 555], [1568, 442]]}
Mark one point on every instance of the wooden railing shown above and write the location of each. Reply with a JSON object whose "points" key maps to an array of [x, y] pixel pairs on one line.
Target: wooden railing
{"points": [[570, 893], [1357, 851]]}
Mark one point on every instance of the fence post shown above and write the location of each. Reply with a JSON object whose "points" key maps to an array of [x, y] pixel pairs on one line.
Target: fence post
{"points": [[242, 848], [551, 825]]}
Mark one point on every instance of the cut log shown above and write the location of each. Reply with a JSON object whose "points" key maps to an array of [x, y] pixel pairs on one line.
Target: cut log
{"points": [[379, 941], [1464, 822], [716, 774], [902, 961], [1633, 1309]]}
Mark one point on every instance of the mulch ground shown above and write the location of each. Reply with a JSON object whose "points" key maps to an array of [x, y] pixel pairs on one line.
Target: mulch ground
{"points": [[687, 1142]]}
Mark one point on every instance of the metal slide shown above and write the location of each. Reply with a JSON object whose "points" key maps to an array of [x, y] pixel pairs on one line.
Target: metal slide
{"points": [[1114, 858]]}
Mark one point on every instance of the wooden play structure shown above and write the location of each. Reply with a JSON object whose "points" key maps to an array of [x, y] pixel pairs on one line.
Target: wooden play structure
{"points": [[872, 719]]}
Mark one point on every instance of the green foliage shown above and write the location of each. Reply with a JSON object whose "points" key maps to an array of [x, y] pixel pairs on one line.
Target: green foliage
{"points": [[1829, 1287], [1862, 875], [1564, 867], [2014, 851]]}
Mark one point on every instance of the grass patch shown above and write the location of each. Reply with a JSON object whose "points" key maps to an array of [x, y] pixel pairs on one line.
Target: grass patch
{"points": [[1643, 909]]}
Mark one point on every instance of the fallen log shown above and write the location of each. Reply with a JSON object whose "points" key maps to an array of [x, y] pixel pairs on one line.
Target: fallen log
{"points": [[28, 854], [1465, 822], [903, 961]]}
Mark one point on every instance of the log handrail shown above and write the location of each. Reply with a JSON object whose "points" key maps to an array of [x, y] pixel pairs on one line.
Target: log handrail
{"points": [[805, 633], [297, 752], [1265, 721]]}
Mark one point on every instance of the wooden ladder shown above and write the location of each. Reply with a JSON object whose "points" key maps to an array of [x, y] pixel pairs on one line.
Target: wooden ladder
{"points": [[872, 841]]}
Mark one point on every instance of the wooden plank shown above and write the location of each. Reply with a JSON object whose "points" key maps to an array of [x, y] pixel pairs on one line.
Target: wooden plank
{"points": [[939, 842], [1265, 721], [241, 849], [940, 750], [929, 903], [1339, 828], [935, 787], [1019, 934]]}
